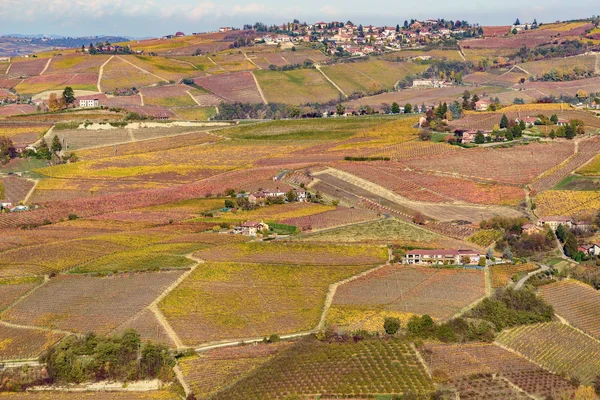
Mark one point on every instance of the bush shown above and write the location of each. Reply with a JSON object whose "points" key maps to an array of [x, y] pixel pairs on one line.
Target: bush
{"points": [[73, 217], [391, 325]]}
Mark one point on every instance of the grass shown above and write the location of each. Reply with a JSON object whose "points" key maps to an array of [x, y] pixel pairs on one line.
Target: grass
{"points": [[383, 232], [296, 87], [227, 300], [578, 182], [195, 113]]}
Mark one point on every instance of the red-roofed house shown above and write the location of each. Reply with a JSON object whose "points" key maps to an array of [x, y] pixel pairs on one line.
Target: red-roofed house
{"points": [[251, 228], [443, 257], [482, 105]]}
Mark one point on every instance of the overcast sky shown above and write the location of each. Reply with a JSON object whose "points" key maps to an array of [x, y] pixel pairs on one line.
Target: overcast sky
{"points": [[142, 18]]}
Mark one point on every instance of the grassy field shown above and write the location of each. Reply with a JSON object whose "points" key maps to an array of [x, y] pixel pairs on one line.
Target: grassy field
{"points": [[391, 231], [229, 300], [195, 113], [296, 87]]}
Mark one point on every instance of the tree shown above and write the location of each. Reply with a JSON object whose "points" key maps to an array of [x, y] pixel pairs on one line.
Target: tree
{"points": [[395, 108], [552, 134], [6, 149], [503, 122], [465, 260], [582, 94], [291, 196], [408, 109], [229, 203], [56, 144], [554, 119], [517, 22], [490, 254], [419, 219], [570, 246], [68, 95], [391, 325], [507, 254], [481, 262], [43, 151], [561, 233], [479, 138], [53, 102], [340, 109]]}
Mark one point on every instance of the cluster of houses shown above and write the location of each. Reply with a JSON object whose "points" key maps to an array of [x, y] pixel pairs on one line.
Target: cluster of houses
{"points": [[443, 257], [358, 40], [9, 207], [262, 196]]}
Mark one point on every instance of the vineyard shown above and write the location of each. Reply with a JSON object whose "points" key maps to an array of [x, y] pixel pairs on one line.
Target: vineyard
{"points": [[439, 293], [355, 370], [591, 169], [15, 189], [119, 74], [295, 87], [486, 386], [12, 289], [108, 395], [456, 363], [25, 68], [515, 165], [236, 87], [275, 212], [169, 96], [566, 202], [577, 303], [296, 253], [23, 134], [556, 347], [330, 219], [90, 304], [38, 84], [433, 188], [149, 328], [214, 370], [17, 343], [235, 300], [587, 150], [503, 273]]}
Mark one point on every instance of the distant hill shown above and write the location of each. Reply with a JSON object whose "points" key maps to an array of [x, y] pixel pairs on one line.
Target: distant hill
{"points": [[16, 45]]}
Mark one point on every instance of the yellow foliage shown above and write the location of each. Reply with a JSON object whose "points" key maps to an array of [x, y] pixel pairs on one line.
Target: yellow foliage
{"points": [[566, 202], [354, 318], [592, 168]]}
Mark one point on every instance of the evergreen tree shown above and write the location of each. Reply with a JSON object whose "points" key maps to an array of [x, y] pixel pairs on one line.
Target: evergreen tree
{"points": [[56, 145], [408, 108], [503, 122], [69, 95], [395, 108]]}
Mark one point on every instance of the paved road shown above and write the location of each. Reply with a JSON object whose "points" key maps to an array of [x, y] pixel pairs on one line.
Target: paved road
{"points": [[524, 279]]}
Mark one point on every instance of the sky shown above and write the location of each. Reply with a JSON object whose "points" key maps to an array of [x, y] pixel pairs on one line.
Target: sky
{"points": [[152, 18]]}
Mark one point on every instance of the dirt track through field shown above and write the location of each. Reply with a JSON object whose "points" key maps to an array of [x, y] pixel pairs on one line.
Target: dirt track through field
{"points": [[262, 95], [437, 211], [143, 70], [46, 67], [102, 73], [339, 89]]}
